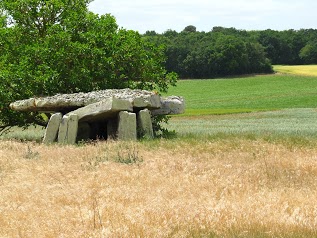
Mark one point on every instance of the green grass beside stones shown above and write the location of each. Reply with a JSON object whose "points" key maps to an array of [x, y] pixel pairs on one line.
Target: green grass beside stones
{"points": [[247, 94], [278, 107], [300, 124]]}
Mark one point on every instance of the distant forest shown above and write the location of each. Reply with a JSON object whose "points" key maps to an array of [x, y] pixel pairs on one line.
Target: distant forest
{"points": [[228, 51]]}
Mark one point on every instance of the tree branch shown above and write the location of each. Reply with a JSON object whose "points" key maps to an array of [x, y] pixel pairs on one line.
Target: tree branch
{"points": [[40, 122], [4, 129]]}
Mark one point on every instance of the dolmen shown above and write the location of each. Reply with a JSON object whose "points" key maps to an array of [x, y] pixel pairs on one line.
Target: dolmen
{"points": [[122, 114]]}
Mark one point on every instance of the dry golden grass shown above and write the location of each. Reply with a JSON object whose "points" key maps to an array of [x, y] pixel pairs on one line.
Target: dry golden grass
{"points": [[180, 188]]}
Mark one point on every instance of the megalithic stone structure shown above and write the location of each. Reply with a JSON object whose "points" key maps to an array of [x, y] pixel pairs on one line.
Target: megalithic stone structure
{"points": [[123, 114]]}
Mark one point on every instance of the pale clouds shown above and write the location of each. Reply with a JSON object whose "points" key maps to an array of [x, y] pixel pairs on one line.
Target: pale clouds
{"points": [[162, 15]]}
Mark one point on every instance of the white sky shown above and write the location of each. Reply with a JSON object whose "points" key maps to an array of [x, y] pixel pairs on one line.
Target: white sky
{"points": [[161, 15]]}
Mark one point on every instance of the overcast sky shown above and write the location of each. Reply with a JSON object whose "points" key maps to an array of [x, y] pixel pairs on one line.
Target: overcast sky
{"points": [[161, 15]]}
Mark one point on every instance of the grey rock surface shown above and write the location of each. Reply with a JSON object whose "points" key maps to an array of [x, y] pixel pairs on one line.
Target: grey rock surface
{"points": [[127, 126], [102, 110], [68, 129], [170, 106], [52, 128], [144, 124], [70, 102]]}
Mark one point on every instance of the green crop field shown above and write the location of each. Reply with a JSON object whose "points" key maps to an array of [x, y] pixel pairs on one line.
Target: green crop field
{"points": [[248, 94], [279, 105]]}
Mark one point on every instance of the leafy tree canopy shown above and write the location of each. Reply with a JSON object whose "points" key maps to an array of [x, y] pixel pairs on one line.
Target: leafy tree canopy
{"points": [[228, 51], [221, 52], [309, 53], [58, 46], [190, 28]]}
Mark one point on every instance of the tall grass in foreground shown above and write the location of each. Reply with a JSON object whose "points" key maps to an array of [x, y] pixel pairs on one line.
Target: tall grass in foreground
{"points": [[179, 188]]}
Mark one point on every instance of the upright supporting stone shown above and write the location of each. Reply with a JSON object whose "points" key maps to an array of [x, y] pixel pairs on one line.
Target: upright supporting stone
{"points": [[68, 129], [51, 130], [127, 126], [62, 133], [144, 124]]}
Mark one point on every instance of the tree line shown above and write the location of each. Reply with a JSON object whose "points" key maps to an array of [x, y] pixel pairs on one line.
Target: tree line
{"points": [[229, 51]]}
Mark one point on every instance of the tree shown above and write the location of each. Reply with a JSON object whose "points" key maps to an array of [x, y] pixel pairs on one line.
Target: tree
{"points": [[150, 33], [221, 52], [257, 61], [170, 33], [190, 28], [309, 53], [58, 46]]}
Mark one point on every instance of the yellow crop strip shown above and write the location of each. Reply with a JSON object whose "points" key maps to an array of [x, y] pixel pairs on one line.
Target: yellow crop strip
{"points": [[307, 70]]}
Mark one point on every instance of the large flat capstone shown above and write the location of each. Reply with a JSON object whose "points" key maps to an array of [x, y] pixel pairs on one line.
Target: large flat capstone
{"points": [[70, 102], [102, 110]]}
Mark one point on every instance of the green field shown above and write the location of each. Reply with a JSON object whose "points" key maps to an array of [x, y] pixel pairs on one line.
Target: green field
{"points": [[273, 106], [287, 125], [248, 94]]}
